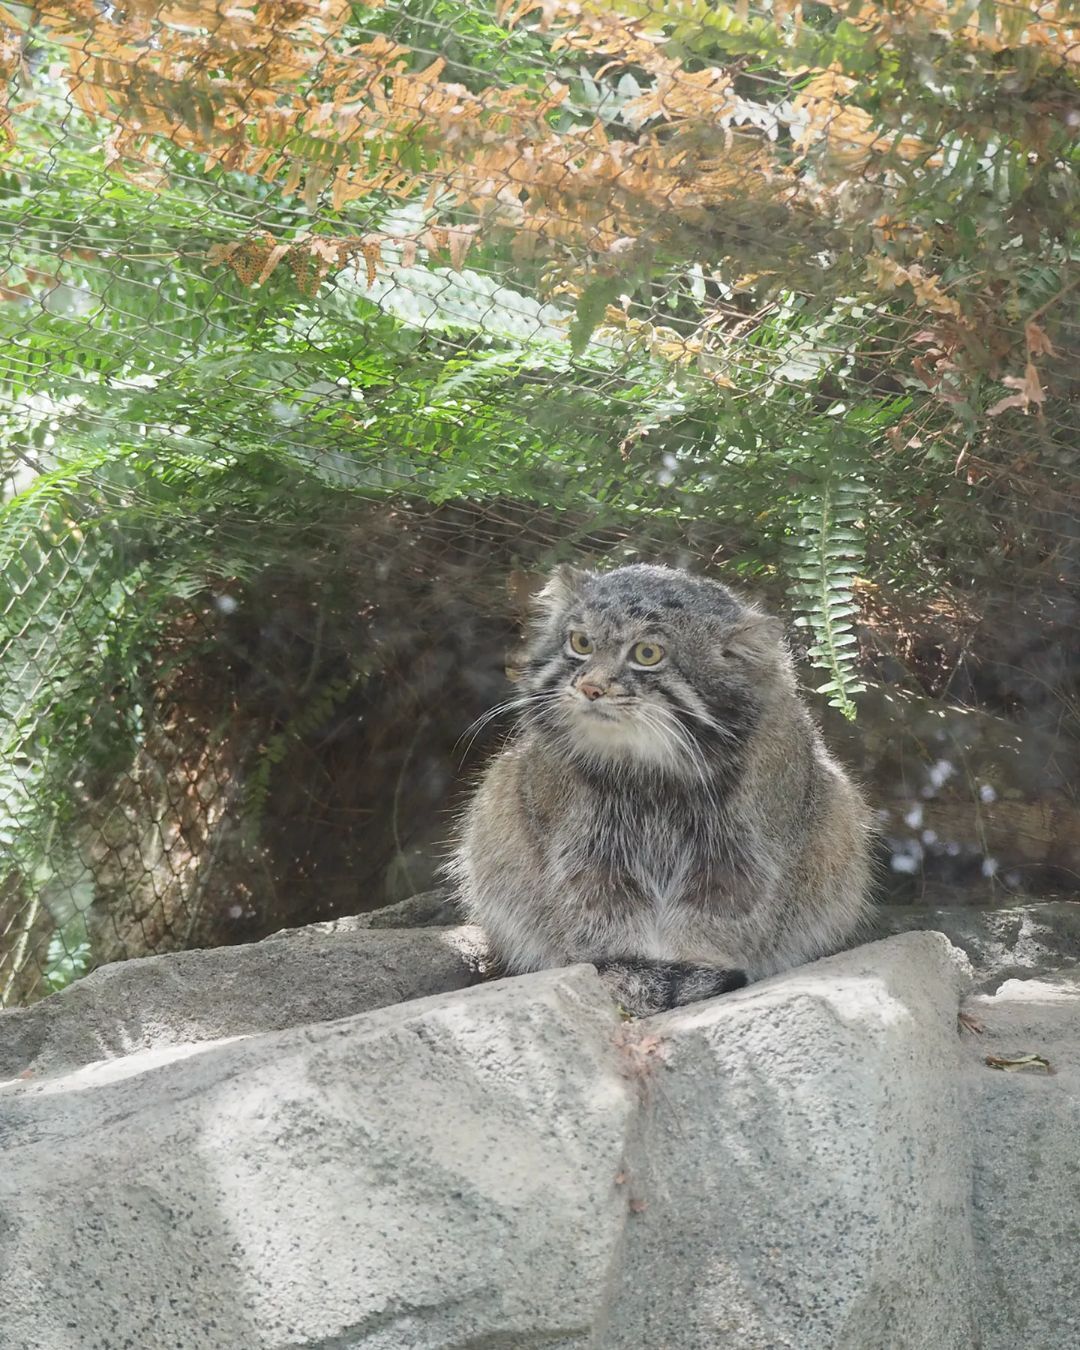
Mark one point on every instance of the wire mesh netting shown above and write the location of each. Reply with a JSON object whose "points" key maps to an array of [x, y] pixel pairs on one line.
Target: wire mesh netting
{"points": [[328, 328]]}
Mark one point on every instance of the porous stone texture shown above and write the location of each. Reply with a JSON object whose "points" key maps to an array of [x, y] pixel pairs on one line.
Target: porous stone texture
{"points": [[1016, 940], [430, 909], [805, 1163], [189, 997], [817, 1162], [1026, 1130], [435, 1174]]}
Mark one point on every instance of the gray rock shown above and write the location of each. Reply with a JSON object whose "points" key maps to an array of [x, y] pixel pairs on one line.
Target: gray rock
{"points": [[803, 1166], [510, 1166], [431, 909], [439, 1174], [189, 997], [1025, 1128], [419, 911], [1000, 942]]}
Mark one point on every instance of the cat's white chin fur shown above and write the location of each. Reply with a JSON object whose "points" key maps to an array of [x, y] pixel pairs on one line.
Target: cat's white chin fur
{"points": [[622, 734]]}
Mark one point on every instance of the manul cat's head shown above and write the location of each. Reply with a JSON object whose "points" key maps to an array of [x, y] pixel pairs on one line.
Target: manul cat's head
{"points": [[649, 666]]}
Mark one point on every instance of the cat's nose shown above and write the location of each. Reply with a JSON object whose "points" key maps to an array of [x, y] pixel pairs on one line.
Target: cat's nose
{"points": [[590, 690]]}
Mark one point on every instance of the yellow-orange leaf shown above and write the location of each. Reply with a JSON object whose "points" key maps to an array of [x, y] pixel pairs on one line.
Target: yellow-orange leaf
{"points": [[883, 271], [1029, 392], [372, 257], [273, 257], [1038, 344]]}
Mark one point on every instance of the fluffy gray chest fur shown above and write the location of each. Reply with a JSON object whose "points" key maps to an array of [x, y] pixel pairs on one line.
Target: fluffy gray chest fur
{"points": [[636, 852], [665, 808]]}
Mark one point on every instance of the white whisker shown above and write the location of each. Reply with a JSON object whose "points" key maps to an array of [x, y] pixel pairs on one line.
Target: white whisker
{"points": [[709, 721], [518, 703], [655, 716], [662, 718]]}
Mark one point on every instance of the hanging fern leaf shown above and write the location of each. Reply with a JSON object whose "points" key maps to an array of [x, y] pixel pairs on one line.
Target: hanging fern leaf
{"points": [[827, 554]]}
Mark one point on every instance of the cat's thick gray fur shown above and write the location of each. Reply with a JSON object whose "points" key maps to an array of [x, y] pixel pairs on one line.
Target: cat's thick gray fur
{"points": [[682, 827]]}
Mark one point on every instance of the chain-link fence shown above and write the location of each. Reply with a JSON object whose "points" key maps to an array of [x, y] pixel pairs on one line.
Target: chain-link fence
{"points": [[328, 328]]}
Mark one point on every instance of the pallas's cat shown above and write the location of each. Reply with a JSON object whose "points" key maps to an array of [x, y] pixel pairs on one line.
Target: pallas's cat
{"points": [[665, 807]]}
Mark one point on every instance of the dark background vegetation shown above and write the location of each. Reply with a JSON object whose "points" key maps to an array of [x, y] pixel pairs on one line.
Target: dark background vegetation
{"points": [[295, 415]]}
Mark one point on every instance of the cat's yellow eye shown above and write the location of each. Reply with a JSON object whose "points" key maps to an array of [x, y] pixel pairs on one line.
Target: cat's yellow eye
{"points": [[581, 643], [647, 654]]}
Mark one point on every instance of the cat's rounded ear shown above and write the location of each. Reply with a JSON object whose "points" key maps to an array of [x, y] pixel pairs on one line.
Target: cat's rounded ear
{"points": [[754, 636], [558, 591]]}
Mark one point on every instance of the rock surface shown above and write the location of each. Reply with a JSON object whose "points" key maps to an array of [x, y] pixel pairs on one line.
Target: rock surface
{"points": [[808, 1163], [240, 1150], [429, 909], [440, 1173], [1016, 940], [1000, 941], [189, 997], [1026, 1128]]}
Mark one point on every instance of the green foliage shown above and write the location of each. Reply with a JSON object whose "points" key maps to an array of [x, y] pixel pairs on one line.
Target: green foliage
{"points": [[164, 426], [68, 955], [469, 38], [590, 310], [828, 551]]}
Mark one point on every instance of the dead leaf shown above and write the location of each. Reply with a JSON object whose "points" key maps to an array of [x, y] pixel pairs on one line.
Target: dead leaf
{"points": [[1020, 1064], [461, 240], [1012, 401], [272, 259], [1030, 391], [220, 253], [372, 257], [1038, 343], [638, 1206], [1032, 386]]}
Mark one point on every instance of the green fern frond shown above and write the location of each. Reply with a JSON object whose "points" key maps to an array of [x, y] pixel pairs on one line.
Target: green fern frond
{"points": [[826, 555]]}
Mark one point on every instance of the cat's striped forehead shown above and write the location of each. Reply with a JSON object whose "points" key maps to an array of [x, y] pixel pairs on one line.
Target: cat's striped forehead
{"points": [[648, 594]]}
